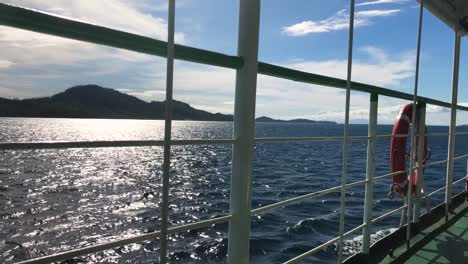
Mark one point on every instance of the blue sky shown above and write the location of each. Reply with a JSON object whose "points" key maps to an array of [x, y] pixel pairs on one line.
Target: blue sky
{"points": [[310, 35]]}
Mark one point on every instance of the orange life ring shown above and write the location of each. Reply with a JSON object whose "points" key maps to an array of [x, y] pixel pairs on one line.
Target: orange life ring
{"points": [[398, 153]]}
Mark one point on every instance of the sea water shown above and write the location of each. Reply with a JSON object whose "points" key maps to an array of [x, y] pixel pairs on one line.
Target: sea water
{"points": [[57, 200]]}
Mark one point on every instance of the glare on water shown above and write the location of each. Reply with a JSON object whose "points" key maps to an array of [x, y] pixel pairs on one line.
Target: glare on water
{"points": [[54, 200]]}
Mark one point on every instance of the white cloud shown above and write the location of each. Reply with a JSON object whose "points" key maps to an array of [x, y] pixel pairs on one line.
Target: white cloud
{"points": [[212, 88], [148, 95], [125, 90], [339, 21], [24, 47], [156, 6], [378, 2], [377, 69], [5, 64], [8, 92], [35, 64], [118, 14], [376, 13]]}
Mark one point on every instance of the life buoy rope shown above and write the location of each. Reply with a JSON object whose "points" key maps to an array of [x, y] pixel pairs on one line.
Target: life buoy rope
{"points": [[399, 155]]}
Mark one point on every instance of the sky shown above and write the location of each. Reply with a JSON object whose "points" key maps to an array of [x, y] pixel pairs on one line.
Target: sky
{"points": [[308, 35]]}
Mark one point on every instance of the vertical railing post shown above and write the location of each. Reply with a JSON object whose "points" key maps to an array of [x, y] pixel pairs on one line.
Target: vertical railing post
{"points": [[421, 126], [370, 172], [244, 132], [453, 123], [167, 133], [344, 168], [409, 195]]}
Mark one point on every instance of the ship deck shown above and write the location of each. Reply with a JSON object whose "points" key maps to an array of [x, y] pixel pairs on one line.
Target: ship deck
{"points": [[446, 241], [434, 239], [449, 246]]}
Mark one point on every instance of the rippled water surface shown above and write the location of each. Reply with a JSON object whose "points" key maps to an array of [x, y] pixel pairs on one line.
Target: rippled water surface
{"points": [[54, 200]]}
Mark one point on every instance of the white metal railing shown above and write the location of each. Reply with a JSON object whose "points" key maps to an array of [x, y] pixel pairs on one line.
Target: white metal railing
{"points": [[344, 168], [183, 142], [244, 132], [166, 168], [243, 148], [322, 246], [453, 123], [382, 217], [121, 242], [109, 144]]}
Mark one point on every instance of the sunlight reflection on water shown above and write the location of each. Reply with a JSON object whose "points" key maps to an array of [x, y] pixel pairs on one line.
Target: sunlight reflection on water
{"points": [[54, 200]]}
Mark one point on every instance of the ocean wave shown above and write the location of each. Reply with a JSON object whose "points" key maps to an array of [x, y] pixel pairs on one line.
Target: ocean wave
{"points": [[312, 225], [353, 246]]}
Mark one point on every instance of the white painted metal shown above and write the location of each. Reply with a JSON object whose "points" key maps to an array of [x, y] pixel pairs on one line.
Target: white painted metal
{"points": [[421, 124], [460, 157], [294, 200], [404, 213], [301, 198], [322, 246], [434, 163], [312, 251], [453, 124], [344, 169], [158, 143], [386, 176], [436, 191], [370, 172], [167, 134], [443, 188], [354, 184], [419, 166], [110, 144], [446, 134], [377, 219], [244, 132], [121, 242], [409, 201], [459, 180], [390, 136], [307, 139]]}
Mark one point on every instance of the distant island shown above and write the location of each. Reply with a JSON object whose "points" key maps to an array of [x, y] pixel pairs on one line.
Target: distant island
{"points": [[93, 101], [265, 119]]}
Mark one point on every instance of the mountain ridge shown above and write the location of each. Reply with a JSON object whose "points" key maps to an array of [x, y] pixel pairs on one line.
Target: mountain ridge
{"points": [[93, 101]]}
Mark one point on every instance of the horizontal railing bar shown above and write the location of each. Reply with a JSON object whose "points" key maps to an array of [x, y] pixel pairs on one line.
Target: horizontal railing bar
{"points": [[305, 77], [312, 251], [379, 218], [461, 157], [109, 144], [460, 180], [435, 163], [32, 20], [322, 246], [428, 134], [270, 207], [390, 135], [439, 134], [148, 143], [307, 139], [388, 175], [357, 228], [436, 191], [301, 198], [117, 243], [354, 184], [444, 161]]}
